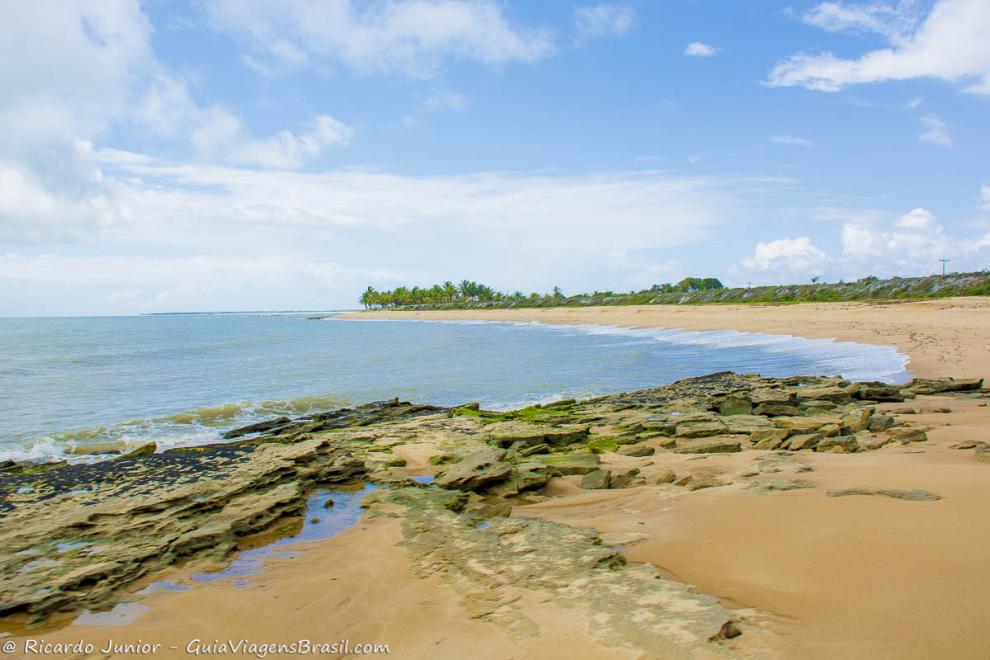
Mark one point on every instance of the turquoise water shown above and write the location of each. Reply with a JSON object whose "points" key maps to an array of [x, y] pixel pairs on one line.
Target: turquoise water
{"points": [[75, 385]]}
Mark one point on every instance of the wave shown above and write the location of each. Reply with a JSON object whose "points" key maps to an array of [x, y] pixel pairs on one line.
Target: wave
{"points": [[198, 426]]}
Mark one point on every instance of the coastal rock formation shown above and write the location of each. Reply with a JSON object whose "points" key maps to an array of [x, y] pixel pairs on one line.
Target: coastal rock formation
{"points": [[76, 536]]}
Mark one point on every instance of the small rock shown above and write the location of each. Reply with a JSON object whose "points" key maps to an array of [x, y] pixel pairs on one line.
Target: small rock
{"points": [[933, 410], [636, 450], [729, 630], [843, 442], [698, 483], [328, 504], [665, 477], [857, 420], [879, 423], [597, 480], [314, 519], [906, 435], [713, 446], [803, 441], [910, 495]]}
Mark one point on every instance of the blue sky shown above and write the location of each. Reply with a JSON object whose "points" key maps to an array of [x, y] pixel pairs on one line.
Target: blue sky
{"points": [[220, 155]]}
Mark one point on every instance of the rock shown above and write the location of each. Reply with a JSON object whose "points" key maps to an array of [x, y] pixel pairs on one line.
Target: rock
{"points": [[685, 480], [699, 429], [636, 450], [668, 443], [774, 485], [910, 495], [879, 423], [903, 411], [803, 441], [723, 445], [970, 444], [596, 480], [939, 385], [802, 424], [328, 504], [777, 410], [729, 630], [934, 410], [830, 430], [857, 420], [475, 471], [565, 464], [735, 405], [624, 479], [541, 448], [747, 423], [394, 461], [525, 476], [832, 393], [665, 476], [702, 482], [257, 427], [876, 391], [906, 435], [869, 441], [847, 443], [769, 438]]}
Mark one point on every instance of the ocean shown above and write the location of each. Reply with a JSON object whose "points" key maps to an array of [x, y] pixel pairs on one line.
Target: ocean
{"points": [[73, 387]]}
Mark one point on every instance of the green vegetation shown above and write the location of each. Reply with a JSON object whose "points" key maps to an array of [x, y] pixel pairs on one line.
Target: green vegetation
{"points": [[689, 291], [472, 294]]}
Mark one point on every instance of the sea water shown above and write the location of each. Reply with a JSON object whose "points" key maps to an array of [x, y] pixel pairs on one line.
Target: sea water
{"points": [[72, 386]]}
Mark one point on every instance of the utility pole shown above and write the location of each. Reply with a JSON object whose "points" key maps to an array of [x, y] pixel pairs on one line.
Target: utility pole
{"points": [[944, 261]]}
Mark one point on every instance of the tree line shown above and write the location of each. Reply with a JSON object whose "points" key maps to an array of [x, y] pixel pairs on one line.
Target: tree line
{"points": [[448, 293]]}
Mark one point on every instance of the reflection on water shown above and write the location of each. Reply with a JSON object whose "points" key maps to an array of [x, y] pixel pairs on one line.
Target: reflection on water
{"points": [[321, 522]]}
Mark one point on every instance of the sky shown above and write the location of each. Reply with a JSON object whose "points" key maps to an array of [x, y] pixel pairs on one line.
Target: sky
{"points": [[285, 154]]}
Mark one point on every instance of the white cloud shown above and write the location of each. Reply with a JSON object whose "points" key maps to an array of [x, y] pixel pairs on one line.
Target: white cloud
{"points": [[950, 44], [413, 37], [893, 21], [594, 21], [790, 256], [919, 220], [698, 49], [937, 133], [423, 227], [912, 244], [792, 140]]}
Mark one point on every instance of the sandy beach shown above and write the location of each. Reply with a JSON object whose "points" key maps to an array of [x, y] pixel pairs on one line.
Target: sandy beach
{"points": [[815, 576], [948, 337]]}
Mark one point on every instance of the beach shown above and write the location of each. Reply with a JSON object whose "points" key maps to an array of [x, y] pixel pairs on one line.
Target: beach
{"points": [[819, 554], [947, 337]]}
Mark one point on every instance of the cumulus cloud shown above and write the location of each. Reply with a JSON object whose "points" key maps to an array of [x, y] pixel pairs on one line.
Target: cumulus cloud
{"points": [[603, 20], [912, 243], [699, 49], [950, 43], [412, 37], [786, 257], [792, 140], [937, 133]]}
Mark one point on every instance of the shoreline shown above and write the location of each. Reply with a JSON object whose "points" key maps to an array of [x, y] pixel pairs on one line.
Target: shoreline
{"points": [[945, 337]]}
